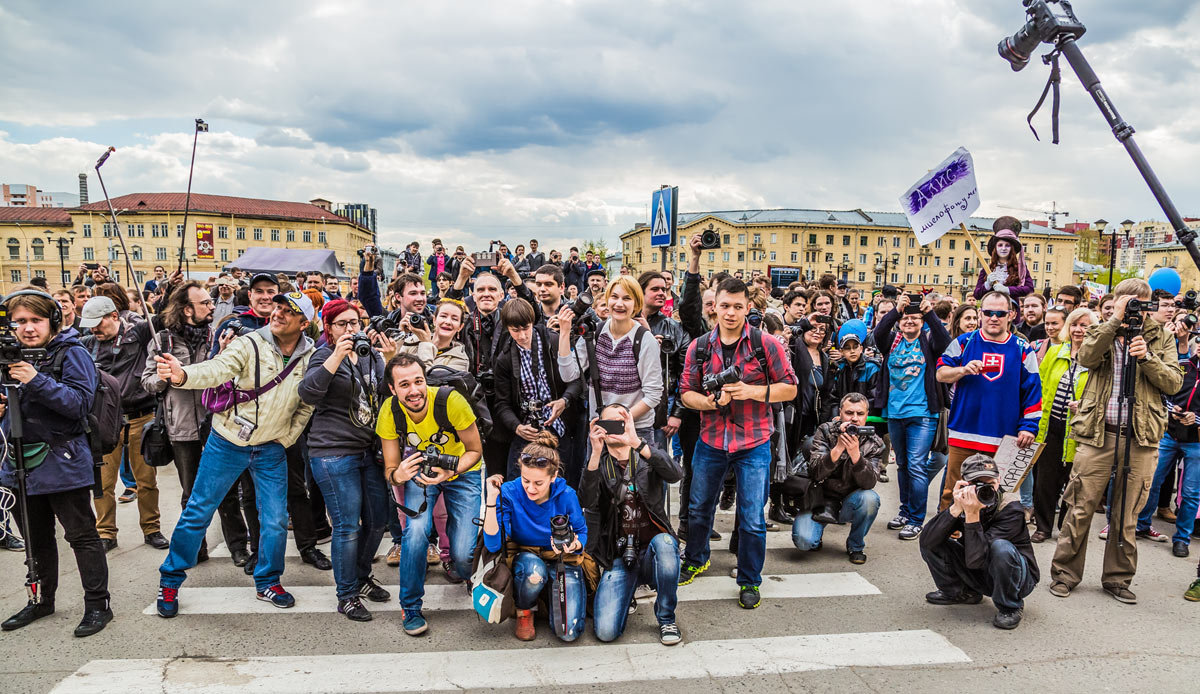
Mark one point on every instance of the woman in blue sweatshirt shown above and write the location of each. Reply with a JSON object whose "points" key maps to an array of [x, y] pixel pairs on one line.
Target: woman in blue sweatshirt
{"points": [[518, 515]]}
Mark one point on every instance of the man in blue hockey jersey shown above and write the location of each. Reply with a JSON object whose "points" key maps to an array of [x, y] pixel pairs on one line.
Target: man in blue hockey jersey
{"points": [[998, 391]]}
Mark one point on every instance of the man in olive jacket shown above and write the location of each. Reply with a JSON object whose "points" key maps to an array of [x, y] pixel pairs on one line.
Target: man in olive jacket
{"points": [[1103, 353]]}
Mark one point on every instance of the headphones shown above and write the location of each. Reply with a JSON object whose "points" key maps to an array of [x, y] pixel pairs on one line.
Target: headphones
{"points": [[56, 315]]}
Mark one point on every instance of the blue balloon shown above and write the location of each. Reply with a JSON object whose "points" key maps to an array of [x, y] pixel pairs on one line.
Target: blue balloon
{"points": [[1166, 278]]}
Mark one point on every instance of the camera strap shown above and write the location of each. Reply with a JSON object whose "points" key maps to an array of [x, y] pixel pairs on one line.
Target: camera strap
{"points": [[1052, 83]]}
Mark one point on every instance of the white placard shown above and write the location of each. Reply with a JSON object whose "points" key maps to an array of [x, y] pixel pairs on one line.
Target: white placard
{"points": [[943, 198], [1014, 462]]}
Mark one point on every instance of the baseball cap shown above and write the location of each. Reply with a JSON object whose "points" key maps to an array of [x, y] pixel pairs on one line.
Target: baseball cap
{"points": [[96, 308], [853, 329], [842, 284], [298, 302], [261, 276], [979, 466]]}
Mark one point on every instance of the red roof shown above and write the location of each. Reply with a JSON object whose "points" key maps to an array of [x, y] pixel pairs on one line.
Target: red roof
{"points": [[35, 215], [218, 204]]}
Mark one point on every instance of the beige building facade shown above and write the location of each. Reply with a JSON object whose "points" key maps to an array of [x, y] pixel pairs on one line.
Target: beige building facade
{"points": [[152, 224], [868, 249]]}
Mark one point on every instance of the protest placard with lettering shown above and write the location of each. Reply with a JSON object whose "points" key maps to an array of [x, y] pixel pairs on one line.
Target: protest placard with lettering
{"points": [[1014, 462], [943, 198]]}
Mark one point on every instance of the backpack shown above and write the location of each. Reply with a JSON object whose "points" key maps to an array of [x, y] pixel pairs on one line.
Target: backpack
{"points": [[104, 419], [449, 381]]}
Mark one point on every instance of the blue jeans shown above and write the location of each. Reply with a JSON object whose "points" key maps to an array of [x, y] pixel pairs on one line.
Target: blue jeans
{"points": [[752, 468], [1189, 489], [220, 465], [464, 501], [658, 567], [911, 438], [858, 509], [356, 497], [530, 577], [1026, 490]]}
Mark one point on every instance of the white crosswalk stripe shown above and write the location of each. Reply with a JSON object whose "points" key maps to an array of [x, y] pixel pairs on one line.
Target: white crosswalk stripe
{"points": [[543, 667]]}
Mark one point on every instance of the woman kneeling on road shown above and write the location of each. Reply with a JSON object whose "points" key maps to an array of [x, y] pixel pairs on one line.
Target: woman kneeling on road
{"points": [[624, 485], [520, 514]]}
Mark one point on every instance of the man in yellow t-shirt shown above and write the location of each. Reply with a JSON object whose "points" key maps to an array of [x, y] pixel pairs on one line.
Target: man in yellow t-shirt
{"points": [[461, 480]]}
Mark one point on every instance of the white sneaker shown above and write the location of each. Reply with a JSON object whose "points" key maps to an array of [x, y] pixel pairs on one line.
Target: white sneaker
{"points": [[1104, 533], [643, 591]]}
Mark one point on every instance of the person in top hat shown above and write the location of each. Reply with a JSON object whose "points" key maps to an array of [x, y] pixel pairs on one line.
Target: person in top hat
{"points": [[1007, 271]]}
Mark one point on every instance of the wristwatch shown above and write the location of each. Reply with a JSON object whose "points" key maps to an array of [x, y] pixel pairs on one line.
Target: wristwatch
{"points": [[638, 450]]}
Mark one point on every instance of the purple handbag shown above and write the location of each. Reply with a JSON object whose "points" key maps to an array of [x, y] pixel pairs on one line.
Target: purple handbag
{"points": [[227, 395]]}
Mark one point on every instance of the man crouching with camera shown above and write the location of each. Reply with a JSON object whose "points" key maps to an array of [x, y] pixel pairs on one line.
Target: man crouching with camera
{"points": [[992, 557], [431, 447], [844, 463]]}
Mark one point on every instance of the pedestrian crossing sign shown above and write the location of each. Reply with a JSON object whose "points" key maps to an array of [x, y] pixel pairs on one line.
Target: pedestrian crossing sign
{"points": [[662, 216]]}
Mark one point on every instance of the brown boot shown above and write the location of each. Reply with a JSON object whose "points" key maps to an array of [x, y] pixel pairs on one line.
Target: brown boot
{"points": [[525, 630]]}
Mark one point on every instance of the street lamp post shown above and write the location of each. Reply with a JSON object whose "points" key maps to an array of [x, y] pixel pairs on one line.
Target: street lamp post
{"points": [[63, 243], [1126, 226], [1100, 225]]}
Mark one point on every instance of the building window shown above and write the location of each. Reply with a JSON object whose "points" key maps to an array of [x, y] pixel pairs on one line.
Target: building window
{"points": [[136, 253], [829, 257], [712, 256], [682, 257], [725, 240], [274, 234], [795, 238], [937, 261], [950, 261], [1049, 249], [39, 250], [935, 278], [758, 240], [224, 255], [812, 239], [320, 237], [14, 249], [160, 253], [291, 236], [741, 256], [307, 236], [741, 239], [222, 232], [129, 230], [773, 238], [1035, 266], [241, 251], [87, 231], [937, 243], [1037, 248], [1048, 269], [862, 258], [951, 244], [895, 242], [107, 230], [910, 260], [14, 275], [845, 240], [258, 234], [862, 276], [908, 278], [828, 239], [241, 233], [725, 256], [39, 273], [654, 257], [141, 230], [862, 240], [912, 242], [89, 253], [772, 256], [894, 276], [882, 242], [179, 231]]}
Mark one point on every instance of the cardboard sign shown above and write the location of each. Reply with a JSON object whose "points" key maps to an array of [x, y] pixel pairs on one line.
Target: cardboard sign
{"points": [[944, 198], [1014, 462]]}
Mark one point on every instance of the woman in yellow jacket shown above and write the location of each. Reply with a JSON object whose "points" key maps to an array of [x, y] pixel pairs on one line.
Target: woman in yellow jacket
{"points": [[1062, 385]]}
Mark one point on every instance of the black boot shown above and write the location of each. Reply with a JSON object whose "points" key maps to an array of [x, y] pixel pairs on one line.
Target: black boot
{"points": [[29, 613], [93, 621]]}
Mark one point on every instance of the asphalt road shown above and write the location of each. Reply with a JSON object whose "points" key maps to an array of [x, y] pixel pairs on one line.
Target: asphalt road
{"points": [[869, 632]]}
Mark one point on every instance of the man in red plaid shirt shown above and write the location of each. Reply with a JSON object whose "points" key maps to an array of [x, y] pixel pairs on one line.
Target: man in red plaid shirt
{"points": [[736, 423]]}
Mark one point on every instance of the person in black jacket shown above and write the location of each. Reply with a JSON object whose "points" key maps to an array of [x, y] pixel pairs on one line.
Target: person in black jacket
{"points": [[810, 360], [912, 401], [54, 407], [624, 487], [669, 333], [530, 393], [993, 557], [574, 270]]}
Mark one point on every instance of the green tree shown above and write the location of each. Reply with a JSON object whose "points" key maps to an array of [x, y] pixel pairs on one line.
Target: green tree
{"points": [[597, 246]]}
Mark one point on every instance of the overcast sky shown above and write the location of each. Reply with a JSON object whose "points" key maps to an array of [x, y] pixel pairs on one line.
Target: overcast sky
{"points": [[474, 120]]}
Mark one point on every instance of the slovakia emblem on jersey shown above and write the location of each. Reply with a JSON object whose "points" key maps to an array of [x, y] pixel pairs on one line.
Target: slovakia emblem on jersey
{"points": [[993, 366]]}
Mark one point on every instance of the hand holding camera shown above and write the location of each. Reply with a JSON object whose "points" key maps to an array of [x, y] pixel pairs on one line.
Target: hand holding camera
{"points": [[408, 469], [435, 466], [562, 536]]}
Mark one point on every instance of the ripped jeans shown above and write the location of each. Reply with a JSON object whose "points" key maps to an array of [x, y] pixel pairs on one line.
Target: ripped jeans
{"points": [[531, 575]]}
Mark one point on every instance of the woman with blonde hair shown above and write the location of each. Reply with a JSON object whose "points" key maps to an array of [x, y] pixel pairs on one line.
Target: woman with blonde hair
{"points": [[1063, 379]]}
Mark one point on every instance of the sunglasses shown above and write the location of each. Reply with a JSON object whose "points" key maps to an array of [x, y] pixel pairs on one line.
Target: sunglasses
{"points": [[994, 313], [534, 461]]}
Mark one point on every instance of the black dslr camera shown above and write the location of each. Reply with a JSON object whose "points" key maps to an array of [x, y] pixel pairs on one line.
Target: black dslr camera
{"points": [[1190, 302], [754, 318], [432, 460], [586, 323], [986, 494], [562, 535], [713, 383], [237, 326], [1049, 21], [1134, 318], [710, 238], [11, 350], [361, 346], [667, 345], [385, 325], [416, 320]]}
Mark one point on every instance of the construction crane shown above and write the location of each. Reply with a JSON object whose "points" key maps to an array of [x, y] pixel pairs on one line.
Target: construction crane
{"points": [[1053, 213]]}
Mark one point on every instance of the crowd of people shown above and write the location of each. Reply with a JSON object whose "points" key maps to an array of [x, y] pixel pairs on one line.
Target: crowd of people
{"points": [[532, 409]]}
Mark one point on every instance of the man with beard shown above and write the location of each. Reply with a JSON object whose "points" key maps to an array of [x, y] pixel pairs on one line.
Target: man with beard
{"points": [[187, 318]]}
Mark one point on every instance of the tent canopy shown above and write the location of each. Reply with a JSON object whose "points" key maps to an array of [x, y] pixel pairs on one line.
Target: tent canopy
{"points": [[289, 260]]}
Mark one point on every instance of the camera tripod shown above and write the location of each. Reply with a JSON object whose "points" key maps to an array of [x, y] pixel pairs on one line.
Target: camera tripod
{"points": [[16, 435], [1120, 467]]}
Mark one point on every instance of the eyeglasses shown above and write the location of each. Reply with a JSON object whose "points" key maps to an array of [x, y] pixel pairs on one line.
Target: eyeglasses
{"points": [[343, 324], [206, 302], [994, 313]]}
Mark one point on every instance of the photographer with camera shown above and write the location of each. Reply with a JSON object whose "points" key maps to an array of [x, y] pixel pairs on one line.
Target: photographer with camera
{"points": [[993, 557], [186, 320], [997, 392], [55, 383], [119, 349], [843, 467], [537, 522], [431, 449], [732, 376], [811, 364], [532, 394], [574, 270], [264, 368], [1108, 413], [345, 384], [913, 401], [625, 486]]}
